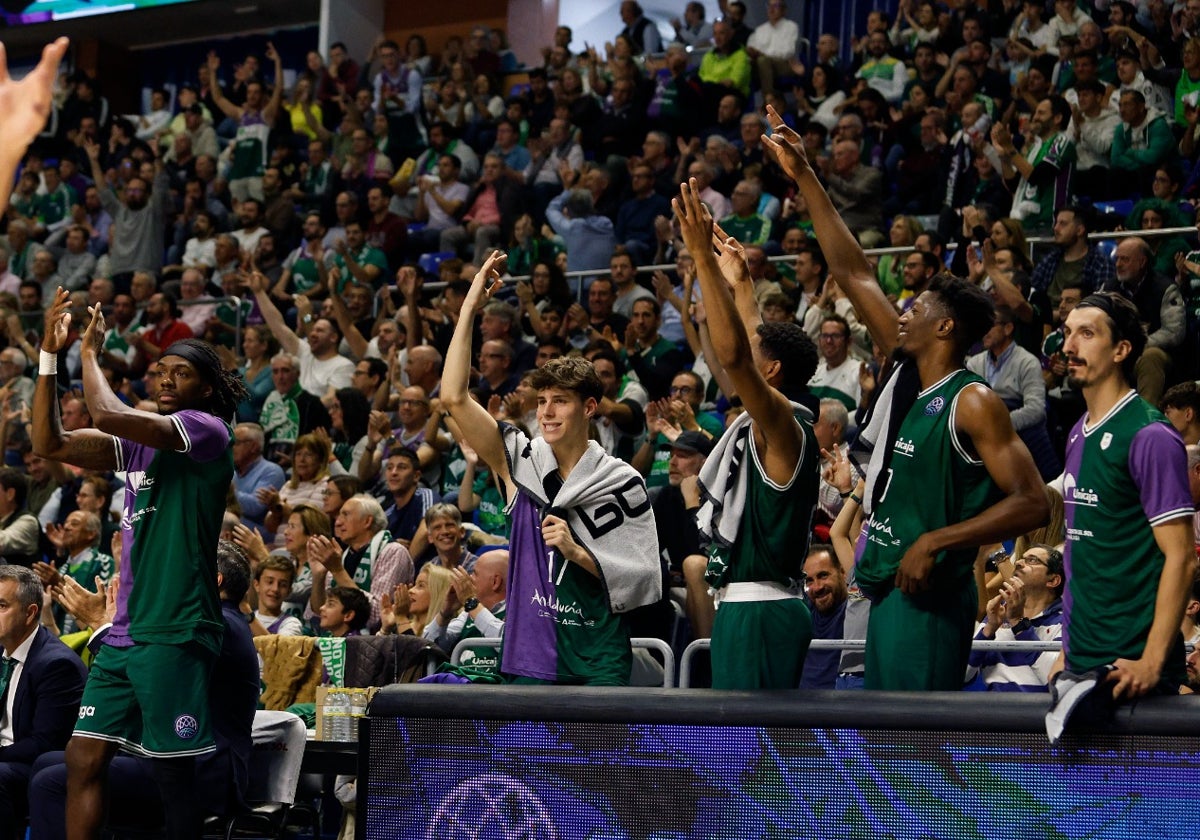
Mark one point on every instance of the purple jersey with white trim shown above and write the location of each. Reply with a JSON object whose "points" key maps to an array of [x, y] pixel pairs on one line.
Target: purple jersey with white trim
{"points": [[174, 505]]}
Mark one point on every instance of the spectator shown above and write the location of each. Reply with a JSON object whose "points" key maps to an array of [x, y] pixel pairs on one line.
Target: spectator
{"points": [[635, 220], [492, 206], [1045, 166], [881, 71], [289, 411], [1181, 405], [163, 328], [481, 593], [855, 189], [440, 200], [837, 375], [355, 262], [1015, 375], [654, 359], [1141, 143], [19, 529], [137, 218], [254, 118], [772, 46], [620, 418], [322, 369], [1160, 306], [1029, 608], [397, 86], [745, 223], [675, 504], [344, 612], [827, 592], [273, 579], [639, 29], [1094, 124], [621, 123], [445, 535], [1074, 262], [252, 472], [589, 237], [385, 231], [694, 30], [197, 308], [406, 500], [726, 67]]}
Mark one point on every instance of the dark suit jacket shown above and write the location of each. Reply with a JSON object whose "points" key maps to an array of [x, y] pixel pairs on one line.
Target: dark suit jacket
{"points": [[47, 701]]}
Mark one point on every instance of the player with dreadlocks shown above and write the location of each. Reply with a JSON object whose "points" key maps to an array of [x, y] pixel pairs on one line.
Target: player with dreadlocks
{"points": [[148, 686]]}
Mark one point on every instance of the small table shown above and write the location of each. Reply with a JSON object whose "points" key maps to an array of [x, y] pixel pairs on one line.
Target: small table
{"points": [[337, 758]]}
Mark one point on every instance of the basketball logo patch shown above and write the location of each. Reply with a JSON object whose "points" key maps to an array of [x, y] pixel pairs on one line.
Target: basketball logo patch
{"points": [[186, 727], [935, 406]]}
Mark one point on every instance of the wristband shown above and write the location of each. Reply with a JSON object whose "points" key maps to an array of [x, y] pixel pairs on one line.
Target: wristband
{"points": [[844, 495], [855, 499], [48, 364]]}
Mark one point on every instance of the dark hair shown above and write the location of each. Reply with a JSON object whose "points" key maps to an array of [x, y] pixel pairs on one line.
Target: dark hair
{"points": [[356, 412], [552, 341], [839, 320], [603, 350], [353, 600], [1183, 395], [228, 389], [1084, 215], [654, 304], [333, 325], [1054, 565], [569, 374], [405, 453], [817, 256], [1125, 323], [1062, 108], [234, 569], [10, 479], [378, 367], [968, 305], [347, 485], [790, 345], [32, 284]]}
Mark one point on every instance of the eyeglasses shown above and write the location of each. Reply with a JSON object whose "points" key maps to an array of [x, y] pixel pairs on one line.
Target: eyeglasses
{"points": [[683, 390], [1030, 560]]}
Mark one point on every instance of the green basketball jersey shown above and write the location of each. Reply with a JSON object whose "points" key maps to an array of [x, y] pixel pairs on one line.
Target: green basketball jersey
{"points": [[249, 151], [773, 535], [933, 481]]}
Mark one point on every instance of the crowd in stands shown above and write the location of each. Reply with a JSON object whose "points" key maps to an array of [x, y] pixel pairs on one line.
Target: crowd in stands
{"points": [[323, 238]]}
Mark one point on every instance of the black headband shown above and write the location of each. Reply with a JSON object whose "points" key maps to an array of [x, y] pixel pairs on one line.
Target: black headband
{"points": [[200, 361]]}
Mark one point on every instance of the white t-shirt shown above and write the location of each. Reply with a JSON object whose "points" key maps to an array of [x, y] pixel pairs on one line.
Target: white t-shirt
{"points": [[317, 376], [289, 626]]}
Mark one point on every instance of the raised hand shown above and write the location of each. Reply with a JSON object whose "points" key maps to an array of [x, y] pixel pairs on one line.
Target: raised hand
{"points": [[786, 146], [695, 222], [26, 104], [93, 336], [731, 258], [486, 283], [57, 322]]}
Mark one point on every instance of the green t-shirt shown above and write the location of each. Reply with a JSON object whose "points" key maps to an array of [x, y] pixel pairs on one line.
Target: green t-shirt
{"points": [[365, 256]]}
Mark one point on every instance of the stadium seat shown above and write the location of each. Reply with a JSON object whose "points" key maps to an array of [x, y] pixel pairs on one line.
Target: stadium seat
{"points": [[428, 263]]}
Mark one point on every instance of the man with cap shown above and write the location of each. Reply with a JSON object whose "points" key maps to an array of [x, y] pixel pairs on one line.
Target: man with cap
{"points": [[675, 506], [148, 687]]}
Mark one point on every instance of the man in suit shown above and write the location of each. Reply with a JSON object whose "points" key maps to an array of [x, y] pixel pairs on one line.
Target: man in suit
{"points": [[221, 775], [41, 681]]}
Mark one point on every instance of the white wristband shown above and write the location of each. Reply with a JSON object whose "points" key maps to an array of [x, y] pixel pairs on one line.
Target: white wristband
{"points": [[48, 364]]}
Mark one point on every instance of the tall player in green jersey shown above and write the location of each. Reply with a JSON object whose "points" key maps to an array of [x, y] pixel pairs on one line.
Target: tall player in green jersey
{"points": [[761, 480], [148, 687], [1129, 553], [948, 473]]}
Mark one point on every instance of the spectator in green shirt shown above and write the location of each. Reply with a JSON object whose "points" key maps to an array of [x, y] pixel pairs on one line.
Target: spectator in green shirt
{"points": [[745, 223]]}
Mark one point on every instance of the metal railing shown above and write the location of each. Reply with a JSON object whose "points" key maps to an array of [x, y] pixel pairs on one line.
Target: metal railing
{"points": [[690, 652]]}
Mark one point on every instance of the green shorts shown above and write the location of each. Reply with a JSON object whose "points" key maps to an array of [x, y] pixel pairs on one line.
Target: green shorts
{"points": [[760, 644], [151, 699], [922, 642]]}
